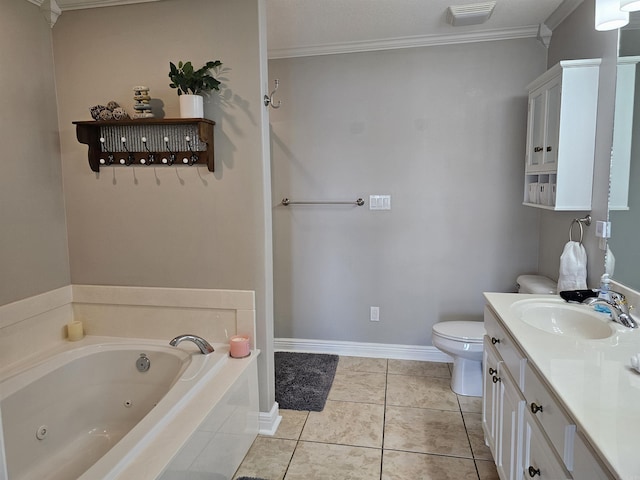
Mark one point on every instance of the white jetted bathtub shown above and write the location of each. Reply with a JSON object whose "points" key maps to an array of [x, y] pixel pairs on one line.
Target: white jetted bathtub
{"points": [[93, 410]]}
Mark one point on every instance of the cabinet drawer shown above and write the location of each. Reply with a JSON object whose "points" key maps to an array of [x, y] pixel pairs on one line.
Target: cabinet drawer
{"points": [[554, 420], [540, 461], [513, 358]]}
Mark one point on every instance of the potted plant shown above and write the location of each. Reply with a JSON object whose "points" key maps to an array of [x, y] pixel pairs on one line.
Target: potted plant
{"points": [[191, 84]]}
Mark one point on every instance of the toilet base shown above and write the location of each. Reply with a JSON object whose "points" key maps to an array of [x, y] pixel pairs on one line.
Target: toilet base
{"points": [[466, 378]]}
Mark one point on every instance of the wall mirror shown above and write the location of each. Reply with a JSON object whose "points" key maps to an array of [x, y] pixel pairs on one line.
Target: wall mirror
{"points": [[624, 192]]}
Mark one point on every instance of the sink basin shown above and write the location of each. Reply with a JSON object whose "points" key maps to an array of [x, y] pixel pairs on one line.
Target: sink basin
{"points": [[564, 319]]}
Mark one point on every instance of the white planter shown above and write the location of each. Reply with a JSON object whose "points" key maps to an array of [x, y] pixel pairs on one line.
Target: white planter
{"points": [[191, 106]]}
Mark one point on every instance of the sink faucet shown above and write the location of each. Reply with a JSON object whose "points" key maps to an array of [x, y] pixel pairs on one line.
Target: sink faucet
{"points": [[201, 343], [618, 306]]}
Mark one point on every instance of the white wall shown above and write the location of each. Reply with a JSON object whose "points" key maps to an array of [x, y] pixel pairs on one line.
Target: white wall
{"points": [[33, 233], [442, 130]]}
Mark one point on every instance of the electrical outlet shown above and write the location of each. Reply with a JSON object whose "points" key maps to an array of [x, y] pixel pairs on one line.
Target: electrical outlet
{"points": [[375, 314]]}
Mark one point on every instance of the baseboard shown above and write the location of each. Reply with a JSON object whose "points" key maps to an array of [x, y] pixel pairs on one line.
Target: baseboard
{"points": [[268, 422], [359, 349]]}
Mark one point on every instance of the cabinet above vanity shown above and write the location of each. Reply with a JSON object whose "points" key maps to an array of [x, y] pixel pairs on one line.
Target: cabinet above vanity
{"points": [[561, 132]]}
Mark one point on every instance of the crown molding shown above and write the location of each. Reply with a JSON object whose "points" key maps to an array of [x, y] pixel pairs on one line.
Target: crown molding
{"points": [[404, 42], [65, 5]]}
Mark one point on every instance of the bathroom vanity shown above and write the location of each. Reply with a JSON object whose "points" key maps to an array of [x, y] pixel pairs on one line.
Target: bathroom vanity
{"points": [[559, 393]]}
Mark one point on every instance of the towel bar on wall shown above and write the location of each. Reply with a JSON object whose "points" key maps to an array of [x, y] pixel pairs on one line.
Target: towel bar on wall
{"points": [[286, 202]]}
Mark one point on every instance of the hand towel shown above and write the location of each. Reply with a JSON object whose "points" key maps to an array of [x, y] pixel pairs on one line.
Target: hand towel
{"points": [[573, 267]]}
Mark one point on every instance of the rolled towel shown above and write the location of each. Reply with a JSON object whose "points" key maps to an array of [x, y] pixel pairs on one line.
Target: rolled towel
{"points": [[573, 267]]}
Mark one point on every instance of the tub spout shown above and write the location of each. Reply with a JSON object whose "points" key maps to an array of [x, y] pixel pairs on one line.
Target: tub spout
{"points": [[201, 343]]}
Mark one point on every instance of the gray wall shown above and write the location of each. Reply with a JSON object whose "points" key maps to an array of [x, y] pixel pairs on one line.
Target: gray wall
{"points": [[33, 257], [577, 38], [174, 227], [442, 130]]}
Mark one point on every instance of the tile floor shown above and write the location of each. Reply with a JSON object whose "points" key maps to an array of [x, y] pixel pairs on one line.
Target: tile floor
{"points": [[383, 420]]}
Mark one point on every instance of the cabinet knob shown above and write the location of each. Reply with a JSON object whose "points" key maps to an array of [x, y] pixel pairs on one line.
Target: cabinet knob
{"points": [[533, 471], [495, 340], [496, 379], [537, 149], [493, 371], [535, 408]]}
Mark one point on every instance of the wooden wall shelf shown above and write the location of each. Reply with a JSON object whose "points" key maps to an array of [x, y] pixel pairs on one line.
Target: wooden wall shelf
{"points": [[148, 142]]}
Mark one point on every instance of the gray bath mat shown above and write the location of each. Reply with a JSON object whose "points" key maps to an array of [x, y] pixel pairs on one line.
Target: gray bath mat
{"points": [[303, 380]]}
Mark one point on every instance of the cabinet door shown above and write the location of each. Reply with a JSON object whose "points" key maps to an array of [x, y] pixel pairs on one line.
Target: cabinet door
{"points": [[509, 434], [535, 132], [490, 398], [540, 461], [552, 127]]}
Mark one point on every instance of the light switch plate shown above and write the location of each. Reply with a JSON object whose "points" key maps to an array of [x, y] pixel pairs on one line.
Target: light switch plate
{"points": [[603, 229], [379, 202]]}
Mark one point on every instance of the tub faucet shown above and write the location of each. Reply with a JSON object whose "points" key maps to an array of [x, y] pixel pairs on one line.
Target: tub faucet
{"points": [[201, 343], [618, 306]]}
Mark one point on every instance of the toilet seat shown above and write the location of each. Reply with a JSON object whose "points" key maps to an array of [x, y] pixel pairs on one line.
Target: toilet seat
{"points": [[470, 332]]}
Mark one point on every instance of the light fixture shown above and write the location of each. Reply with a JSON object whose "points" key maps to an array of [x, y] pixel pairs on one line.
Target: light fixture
{"points": [[471, 14], [609, 16], [629, 5]]}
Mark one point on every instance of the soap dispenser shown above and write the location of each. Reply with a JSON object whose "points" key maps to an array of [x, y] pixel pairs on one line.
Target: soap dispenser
{"points": [[604, 294]]}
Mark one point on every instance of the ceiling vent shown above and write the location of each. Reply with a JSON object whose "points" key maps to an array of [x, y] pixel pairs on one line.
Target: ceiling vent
{"points": [[471, 14]]}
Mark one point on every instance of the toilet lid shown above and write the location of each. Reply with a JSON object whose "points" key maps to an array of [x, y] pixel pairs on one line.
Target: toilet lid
{"points": [[471, 332]]}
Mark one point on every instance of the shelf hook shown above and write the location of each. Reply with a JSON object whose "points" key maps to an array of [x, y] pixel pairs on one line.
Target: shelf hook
{"points": [[130, 158], [151, 157], [172, 156], [193, 159], [268, 99], [103, 147]]}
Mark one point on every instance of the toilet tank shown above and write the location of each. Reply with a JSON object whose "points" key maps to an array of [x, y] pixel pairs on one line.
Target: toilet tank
{"points": [[536, 284]]}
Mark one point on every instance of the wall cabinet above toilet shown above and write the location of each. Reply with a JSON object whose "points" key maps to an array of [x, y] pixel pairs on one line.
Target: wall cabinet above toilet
{"points": [[561, 132]]}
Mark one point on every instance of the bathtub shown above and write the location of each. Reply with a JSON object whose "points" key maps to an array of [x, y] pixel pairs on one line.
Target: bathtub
{"points": [[88, 412]]}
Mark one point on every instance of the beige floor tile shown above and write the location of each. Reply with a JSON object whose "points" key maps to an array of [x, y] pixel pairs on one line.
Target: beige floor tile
{"points": [[291, 424], [360, 387], [487, 470], [420, 466], [267, 458], [346, 423], [421, 392], [319, 461], [425, 431], [415, 367], [470, 404], [362, 364], [473, 422]]}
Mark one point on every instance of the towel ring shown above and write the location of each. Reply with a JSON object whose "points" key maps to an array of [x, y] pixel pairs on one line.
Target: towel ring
{"points": [[580, 221], [571, 230]]}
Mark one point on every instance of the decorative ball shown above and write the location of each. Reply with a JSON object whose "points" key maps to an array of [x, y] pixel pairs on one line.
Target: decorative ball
{"points": [[112, 105], [95, 111], [105, 114], [119, 113]]}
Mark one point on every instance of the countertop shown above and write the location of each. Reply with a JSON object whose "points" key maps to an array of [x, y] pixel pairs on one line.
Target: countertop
{"points": [[593, 379]]}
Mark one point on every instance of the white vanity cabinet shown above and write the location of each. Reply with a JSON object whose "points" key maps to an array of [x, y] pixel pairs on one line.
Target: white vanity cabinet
{"points": [[561, 136], [528, 432]]}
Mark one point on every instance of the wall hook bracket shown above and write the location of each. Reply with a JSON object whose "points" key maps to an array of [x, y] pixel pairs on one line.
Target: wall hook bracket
{"points": [[268, 99]]}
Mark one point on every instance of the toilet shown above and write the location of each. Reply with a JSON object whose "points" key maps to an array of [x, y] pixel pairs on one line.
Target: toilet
{"points": [[462, 340]]}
